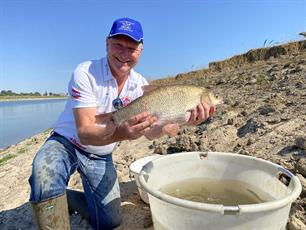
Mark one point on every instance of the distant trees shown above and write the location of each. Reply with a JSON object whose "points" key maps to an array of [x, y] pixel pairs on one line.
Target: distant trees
{"points": [[35, 94], [7, 93]]}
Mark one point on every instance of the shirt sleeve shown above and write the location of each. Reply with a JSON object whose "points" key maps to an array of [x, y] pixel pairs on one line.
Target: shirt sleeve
{"points": [[80, 90]]}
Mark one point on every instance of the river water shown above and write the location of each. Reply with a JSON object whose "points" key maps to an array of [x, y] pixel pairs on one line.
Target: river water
{"points": [[23, 119]]}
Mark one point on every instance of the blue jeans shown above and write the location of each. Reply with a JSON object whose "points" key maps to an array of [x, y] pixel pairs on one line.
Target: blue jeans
{"points": [[52, 167]]}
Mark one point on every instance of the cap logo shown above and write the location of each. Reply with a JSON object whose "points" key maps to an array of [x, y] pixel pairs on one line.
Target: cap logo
{"points": [[126, 26]]}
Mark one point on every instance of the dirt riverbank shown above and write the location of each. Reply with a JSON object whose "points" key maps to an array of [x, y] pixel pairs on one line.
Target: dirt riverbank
{"points": [[264, 116]]}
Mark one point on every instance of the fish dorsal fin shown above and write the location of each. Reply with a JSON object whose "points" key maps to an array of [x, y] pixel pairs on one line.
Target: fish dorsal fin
{"points": [[148, 88]]}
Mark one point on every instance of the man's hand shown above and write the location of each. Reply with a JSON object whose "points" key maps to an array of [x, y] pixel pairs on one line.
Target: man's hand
{"points": [[100, 129], [196, 116], [135, 126], [201, 113]]}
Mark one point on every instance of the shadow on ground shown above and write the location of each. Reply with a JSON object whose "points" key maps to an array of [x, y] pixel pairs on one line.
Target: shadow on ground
{"points": [[21, 217]]}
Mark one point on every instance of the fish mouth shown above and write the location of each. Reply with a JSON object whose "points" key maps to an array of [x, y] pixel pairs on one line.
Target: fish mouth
{"points": [[221, 103]]}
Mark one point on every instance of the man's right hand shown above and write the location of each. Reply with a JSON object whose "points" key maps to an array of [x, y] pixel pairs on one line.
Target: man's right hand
{"points": [[135, 126], [100, 129]]}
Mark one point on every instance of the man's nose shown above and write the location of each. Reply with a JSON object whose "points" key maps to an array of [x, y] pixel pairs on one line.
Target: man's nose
{"points": [[125, 52]]}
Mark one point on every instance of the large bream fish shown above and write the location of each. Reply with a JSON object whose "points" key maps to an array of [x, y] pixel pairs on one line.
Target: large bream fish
{"points": [[170, 104]]}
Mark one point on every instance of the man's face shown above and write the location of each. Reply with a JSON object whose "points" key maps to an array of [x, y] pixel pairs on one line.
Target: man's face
{"points": [[123, 54]]}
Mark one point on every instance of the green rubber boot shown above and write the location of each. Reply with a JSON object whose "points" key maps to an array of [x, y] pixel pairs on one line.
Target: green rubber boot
{"points": [[52, 213]]}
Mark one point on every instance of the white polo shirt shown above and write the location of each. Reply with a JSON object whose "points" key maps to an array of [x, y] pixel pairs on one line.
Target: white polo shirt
{"points": [[93, 86]]}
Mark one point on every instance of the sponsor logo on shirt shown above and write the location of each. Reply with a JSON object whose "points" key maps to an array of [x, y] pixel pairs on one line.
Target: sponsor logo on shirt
{"points": [[75, 93], [126, 100]]}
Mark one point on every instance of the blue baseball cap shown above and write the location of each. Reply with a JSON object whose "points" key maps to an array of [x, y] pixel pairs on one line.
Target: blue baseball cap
{"points": [[128, 27]]}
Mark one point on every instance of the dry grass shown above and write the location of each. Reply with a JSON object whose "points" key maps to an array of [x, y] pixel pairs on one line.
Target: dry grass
{"points": [[251, 57]]}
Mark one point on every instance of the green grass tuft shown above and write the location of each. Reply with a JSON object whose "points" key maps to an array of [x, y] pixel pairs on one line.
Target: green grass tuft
{"points": [[261, 78], [6, 158], [22, 150]]}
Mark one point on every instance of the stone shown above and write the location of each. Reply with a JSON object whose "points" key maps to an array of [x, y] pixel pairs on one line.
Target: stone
{"points": [[230, 121], [296, 224], [300, 142], [264, 110], [300, 166], [303, 183]]}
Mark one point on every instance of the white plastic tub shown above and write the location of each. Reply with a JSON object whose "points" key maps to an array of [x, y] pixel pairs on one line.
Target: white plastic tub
{"points": [[134, 170], [173, 213]]}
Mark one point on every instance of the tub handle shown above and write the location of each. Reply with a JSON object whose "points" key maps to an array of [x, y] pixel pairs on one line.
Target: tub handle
{"points": [[203, 155], [284, 176], [231, 210]]}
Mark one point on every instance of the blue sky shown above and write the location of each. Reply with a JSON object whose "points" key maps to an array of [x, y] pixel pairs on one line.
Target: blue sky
{"points": [[41, 42]]}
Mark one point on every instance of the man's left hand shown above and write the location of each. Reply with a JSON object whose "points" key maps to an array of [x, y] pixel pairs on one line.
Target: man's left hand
{"points": [[201, 113]]}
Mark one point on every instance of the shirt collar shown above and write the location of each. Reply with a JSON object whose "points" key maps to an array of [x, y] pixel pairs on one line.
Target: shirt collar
{"points": [[107, 73], [133, 78]]}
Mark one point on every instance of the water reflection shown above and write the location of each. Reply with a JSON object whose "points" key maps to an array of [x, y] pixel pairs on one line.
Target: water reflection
{"points": [[22, 119]]}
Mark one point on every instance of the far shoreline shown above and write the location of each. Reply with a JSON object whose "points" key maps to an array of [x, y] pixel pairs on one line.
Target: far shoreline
{"points": [[30, 98]]}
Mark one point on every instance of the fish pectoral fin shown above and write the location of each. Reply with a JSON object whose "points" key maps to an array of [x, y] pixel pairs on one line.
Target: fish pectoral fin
{"points": [[154, 132], [171, 129], [159, 130]]}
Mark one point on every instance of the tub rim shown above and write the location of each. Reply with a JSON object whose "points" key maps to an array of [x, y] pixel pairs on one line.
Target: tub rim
{"points": [[224, 209]]}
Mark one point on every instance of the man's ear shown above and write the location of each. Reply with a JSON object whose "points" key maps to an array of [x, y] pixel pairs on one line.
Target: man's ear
{"points": [[107, 40]]}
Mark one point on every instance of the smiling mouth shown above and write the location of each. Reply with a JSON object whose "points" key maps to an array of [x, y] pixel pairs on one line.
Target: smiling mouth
{"points": [[121, 61]]}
